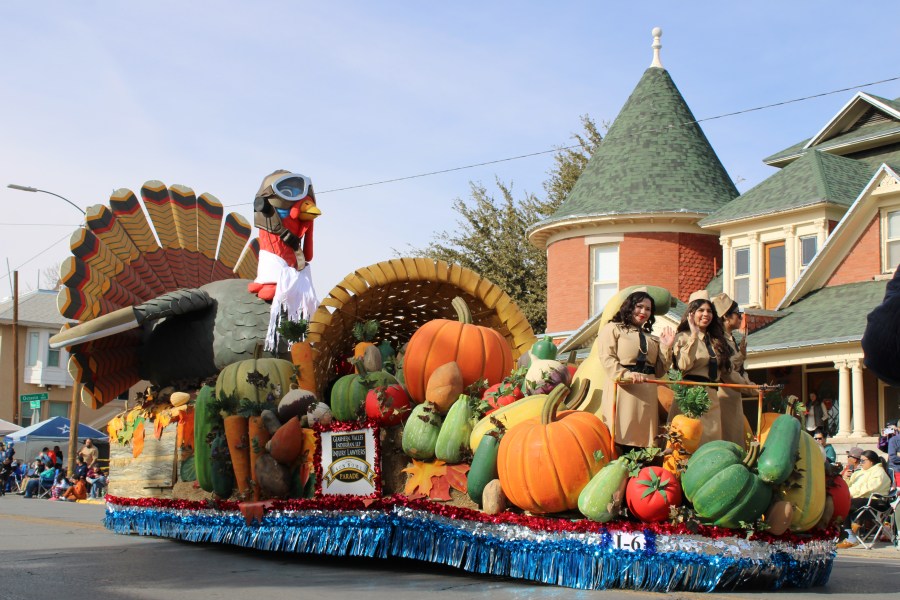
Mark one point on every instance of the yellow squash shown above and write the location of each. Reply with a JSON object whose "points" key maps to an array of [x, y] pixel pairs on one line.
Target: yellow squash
{"points": [[805, 490], [529, 407]]}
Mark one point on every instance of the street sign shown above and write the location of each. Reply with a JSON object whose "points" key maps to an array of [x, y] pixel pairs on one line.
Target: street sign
{"points": [[36, 404], [34, 398]]}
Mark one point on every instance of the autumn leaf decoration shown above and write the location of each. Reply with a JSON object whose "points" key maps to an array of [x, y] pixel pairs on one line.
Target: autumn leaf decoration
{"points": [[434, 479]]}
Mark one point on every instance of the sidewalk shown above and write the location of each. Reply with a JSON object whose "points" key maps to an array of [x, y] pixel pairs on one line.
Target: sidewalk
{"points": [[881, 550]]}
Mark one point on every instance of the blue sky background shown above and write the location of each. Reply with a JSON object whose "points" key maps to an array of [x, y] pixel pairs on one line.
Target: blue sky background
{"points": [[215, 95]]}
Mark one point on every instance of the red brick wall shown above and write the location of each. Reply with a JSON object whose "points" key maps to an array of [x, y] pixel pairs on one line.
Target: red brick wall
{"points": [[700, 256], [680, 262], [864, 259], [831, 225], [649, 259], [755, 322], [568, 279]]}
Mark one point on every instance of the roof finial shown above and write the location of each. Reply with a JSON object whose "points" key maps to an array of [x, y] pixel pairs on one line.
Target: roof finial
{"points": [[657, 34]]}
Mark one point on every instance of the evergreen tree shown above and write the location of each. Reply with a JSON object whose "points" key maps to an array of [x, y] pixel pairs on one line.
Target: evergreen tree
{"points": [[491, 240]]}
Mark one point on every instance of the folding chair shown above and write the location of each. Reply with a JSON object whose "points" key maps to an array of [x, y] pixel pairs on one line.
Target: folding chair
{"points": [[877, 517]]}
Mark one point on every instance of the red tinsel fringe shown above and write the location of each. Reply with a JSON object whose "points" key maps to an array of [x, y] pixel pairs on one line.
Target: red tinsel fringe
{"points": [[558, 525]]}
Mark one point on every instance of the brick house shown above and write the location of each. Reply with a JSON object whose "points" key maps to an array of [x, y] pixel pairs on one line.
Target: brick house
{"points": [[807, 252]]}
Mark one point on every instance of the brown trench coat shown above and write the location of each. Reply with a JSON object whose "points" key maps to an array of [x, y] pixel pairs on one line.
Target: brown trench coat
{"points": [[691, 357], [730, 402], [637, 411]]}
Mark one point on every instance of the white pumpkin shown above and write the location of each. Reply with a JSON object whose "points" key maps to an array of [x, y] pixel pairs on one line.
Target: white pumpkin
{"points": [[318, 413]]}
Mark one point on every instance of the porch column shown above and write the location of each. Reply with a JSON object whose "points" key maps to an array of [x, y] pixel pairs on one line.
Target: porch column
{"points": [[790, 261], [727, 269], [843, 398], [859, 401]]}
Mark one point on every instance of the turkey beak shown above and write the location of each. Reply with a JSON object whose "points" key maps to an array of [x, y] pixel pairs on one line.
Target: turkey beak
{"points": [[309, 211]]}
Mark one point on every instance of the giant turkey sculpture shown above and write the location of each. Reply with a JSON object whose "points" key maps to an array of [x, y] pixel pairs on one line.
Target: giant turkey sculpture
{"points": [[177, 310]]}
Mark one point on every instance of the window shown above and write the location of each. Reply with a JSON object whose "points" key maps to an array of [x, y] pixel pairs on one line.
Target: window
{"points": [[34, 342], [604, 275], [809, 245], [59, 409], [742, 276], [892, 240], [52, 357]]}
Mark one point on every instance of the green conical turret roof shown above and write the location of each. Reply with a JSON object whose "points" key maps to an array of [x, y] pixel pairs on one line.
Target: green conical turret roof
{"points": [[654, 159]]}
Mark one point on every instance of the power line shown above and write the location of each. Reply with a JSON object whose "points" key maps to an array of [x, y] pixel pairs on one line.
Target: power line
{"points": [[531, 154], [48, 248], [643, 132]]}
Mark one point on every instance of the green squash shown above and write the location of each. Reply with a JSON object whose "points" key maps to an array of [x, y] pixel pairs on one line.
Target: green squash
{"points": [[603, 496], [453, 439], [348, 396], [420, 432], [204, 418], [222, 471], [484, 466], [232, 381], [722, 486], [779, 452]]}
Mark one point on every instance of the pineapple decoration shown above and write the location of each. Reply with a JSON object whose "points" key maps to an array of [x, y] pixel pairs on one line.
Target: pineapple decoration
{"points": [[365, 350], [686, 428]]}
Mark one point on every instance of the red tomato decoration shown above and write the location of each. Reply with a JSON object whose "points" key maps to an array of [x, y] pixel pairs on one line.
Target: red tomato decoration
{"points": [[651, 493], [840, 496], [501, 394], [388, 405]]}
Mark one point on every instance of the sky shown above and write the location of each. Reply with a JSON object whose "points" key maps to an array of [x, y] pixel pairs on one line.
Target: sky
{"points": [[215, 95]]}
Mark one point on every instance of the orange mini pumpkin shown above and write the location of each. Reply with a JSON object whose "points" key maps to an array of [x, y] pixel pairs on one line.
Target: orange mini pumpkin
{"points": [[544, 464], [480, 352]]}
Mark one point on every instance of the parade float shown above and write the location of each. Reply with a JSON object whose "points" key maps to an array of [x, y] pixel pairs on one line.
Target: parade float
{"points": [[413, 413]]}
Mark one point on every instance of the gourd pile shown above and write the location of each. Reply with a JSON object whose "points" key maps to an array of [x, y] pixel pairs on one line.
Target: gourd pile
{"points": [[517, 436]]}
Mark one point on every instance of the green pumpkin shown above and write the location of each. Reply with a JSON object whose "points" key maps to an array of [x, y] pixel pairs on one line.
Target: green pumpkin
{"points": [[603, 496], [453, 439], [348, 395], [484, 466], [420, 432], [722, 486], [779, 453], [232, 381], [203, 423]]}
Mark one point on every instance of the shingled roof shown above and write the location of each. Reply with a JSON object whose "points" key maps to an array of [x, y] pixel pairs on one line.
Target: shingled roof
{"points": [[654, 159], [814, 178], [865, 118], [830, 315], [37, 308]]}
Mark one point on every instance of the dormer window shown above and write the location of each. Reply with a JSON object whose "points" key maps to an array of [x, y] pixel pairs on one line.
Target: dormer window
{"points": [[890, 220], [809, 245]]}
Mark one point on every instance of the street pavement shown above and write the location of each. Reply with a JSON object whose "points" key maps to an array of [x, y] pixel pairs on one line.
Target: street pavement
{"points": [[61, 550]]}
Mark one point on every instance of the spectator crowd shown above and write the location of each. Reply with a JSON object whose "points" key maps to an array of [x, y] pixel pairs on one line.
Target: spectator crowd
{"points": [[45, 476]]}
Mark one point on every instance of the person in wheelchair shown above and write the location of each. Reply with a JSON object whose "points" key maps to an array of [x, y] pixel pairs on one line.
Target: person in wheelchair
{"points": [[871, 478]]}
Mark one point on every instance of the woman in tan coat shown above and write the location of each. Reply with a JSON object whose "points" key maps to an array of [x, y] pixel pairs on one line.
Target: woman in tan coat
{"points": [[628, 352], [730, 402], [701, 354]]}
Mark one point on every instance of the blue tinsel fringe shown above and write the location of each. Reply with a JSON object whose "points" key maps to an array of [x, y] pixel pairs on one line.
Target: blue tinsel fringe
{"points": [[540, 557]]}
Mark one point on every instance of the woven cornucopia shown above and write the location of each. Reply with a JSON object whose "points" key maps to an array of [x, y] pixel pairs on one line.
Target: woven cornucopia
{"points": [[402, 295]]}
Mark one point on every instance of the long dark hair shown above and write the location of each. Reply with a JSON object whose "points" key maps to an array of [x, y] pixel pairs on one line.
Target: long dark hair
{"points": [[874, 459], [715, 331], [626, 311]]}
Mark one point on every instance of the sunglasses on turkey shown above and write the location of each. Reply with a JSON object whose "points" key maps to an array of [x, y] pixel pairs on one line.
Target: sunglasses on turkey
{"points": [[292, 187]]}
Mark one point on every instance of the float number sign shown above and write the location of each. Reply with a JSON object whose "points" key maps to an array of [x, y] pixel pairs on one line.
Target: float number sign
{"points": [[628, 541], [348, 462]]}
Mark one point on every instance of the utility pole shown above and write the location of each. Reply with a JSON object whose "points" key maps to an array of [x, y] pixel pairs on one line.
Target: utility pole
{"points": [[16, 347]]}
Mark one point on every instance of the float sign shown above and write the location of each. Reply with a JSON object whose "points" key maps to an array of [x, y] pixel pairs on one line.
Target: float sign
{"points": [[348, 462]]}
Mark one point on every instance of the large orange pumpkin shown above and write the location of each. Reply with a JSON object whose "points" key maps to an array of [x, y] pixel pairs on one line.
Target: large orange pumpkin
{"points": [[480, 352], [544, 464]]}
